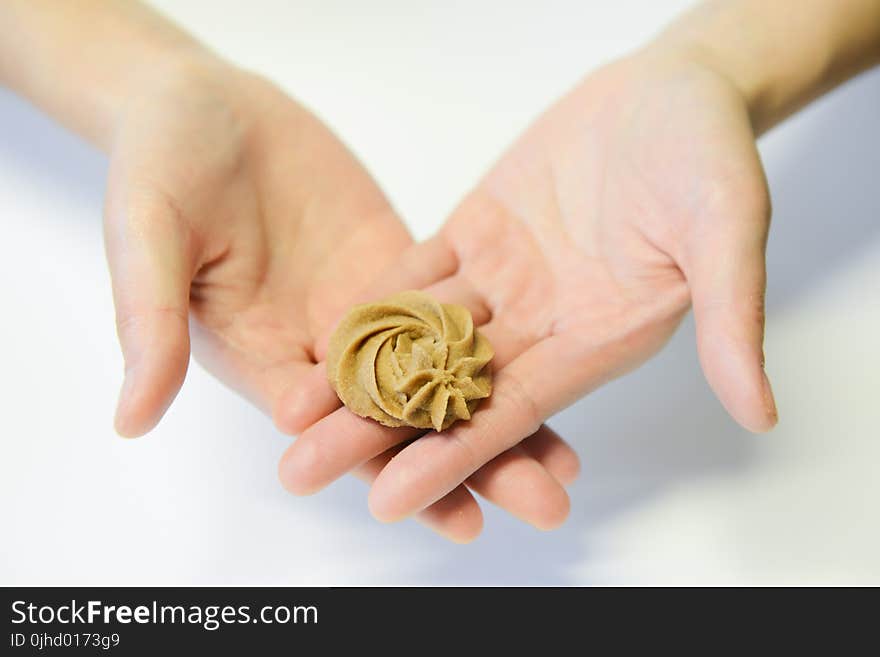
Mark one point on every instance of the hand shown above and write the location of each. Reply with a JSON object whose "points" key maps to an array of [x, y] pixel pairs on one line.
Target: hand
{"points": [[579, 253], [233, 212], [229, 200]]}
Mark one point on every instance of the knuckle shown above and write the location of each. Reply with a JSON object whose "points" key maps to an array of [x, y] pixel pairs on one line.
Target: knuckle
{"points": [[152, 215], [133, 320], [469, 454], [142, 211], [138, 329], [515, 395]]}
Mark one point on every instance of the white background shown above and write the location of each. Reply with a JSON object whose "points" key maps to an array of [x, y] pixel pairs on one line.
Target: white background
{"points": [[428, 94]]}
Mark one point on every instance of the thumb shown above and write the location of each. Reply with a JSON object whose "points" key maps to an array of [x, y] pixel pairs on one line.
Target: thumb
{"points": [[148, 250], [727, 276]]}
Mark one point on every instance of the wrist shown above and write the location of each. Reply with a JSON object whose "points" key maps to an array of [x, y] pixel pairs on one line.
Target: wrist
{"points": [[752, 86], [767, 90], [779, 55], [146, 78], [82, 61]]}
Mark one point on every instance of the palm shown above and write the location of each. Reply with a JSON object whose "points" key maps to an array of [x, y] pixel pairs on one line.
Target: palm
{"points": [[581, 233], [261, 337], [250, 216], [581, 250], [581, 230], [274, 215], [318, 230]]}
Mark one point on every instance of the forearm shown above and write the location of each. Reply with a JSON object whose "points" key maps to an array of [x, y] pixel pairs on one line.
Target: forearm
{"points": [[781, 54], [80, 60]]}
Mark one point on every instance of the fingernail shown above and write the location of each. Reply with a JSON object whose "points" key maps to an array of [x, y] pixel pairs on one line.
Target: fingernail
{"points": [[770, 402]]}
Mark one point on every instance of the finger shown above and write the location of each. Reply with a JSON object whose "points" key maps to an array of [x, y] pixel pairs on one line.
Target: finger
{"points": [[259, 366], [507, 342], [333, 446], [727, 278], [551, 451], [518, 483], [148, 249], [458, 290], [421, 265], [306, 401], [525, 392], [457, 516]]}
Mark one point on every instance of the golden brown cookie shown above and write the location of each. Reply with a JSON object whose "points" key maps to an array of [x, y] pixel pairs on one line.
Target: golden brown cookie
{"points": [[410, 360]]}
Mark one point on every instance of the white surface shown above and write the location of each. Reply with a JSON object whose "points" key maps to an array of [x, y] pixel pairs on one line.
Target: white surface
{"points": [[428, 95]]}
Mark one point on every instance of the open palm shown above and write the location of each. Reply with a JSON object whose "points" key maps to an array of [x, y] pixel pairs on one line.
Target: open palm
{"points": [[235, 215], [636, 195]]}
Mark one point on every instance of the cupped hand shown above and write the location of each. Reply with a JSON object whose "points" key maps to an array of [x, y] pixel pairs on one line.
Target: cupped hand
{"points": [[638, 194], [234, 215]]}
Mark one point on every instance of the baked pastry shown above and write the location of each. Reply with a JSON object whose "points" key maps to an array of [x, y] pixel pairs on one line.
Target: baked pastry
{"points": [[409, 360]]}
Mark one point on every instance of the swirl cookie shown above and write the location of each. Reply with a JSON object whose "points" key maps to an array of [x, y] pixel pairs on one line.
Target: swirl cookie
{"points": [[409, 360]]}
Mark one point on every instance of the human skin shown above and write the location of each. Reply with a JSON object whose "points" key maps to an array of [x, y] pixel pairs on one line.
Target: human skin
{"points": [[638, 195], [236, 225]]}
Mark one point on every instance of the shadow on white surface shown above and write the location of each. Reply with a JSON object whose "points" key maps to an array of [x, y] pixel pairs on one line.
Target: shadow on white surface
{"points": [[638, 437]]}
